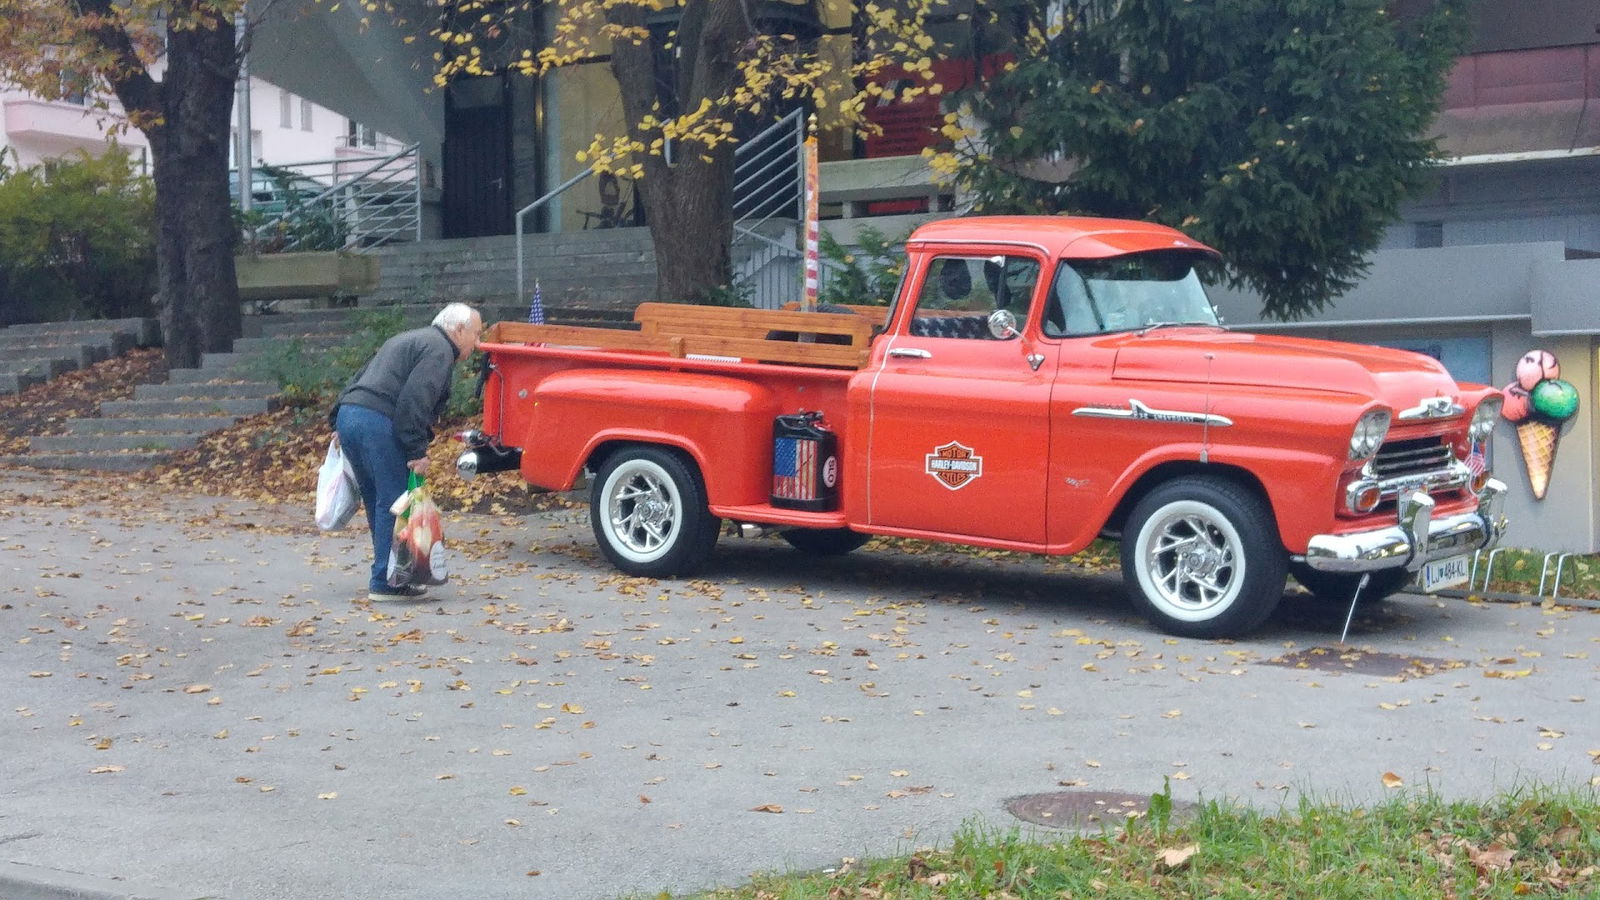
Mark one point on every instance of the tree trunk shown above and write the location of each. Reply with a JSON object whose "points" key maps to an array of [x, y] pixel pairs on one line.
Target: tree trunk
{"points": [[688, 203], [690, 213], [198, 296]]}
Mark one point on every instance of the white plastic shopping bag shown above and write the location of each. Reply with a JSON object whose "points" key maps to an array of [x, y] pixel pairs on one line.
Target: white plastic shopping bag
{"points": [[337, 496]]}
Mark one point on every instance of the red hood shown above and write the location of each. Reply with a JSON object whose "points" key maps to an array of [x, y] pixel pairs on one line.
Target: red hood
{"points": [[1399, 378]]}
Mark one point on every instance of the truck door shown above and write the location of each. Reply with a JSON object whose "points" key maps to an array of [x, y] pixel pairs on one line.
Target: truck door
{"points": [[960, 418]]}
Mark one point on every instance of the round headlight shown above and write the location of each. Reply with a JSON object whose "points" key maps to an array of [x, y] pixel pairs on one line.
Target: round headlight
{"points": [[1484, 419], [1371, 429]]}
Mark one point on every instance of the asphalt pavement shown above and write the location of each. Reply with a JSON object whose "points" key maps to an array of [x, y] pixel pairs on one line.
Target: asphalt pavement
{"points": [[199, 702]]}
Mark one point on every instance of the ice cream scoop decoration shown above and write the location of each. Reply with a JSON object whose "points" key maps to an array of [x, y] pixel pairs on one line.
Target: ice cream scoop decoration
{"points": [[1538, 402]]}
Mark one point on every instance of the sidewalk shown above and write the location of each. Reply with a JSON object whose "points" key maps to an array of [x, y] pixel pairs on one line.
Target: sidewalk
{"points": [[200, 703]]}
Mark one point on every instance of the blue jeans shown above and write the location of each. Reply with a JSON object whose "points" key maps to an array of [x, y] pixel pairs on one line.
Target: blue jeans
{"points": [[367, 437]]}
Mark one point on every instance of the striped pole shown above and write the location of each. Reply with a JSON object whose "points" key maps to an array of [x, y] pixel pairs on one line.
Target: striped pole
{"points": [[809, 304]]}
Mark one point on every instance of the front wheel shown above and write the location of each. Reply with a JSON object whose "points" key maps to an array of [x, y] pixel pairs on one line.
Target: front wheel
{"points": [[648, 510], [1201, 558], [824, 541], [1339, 587]]}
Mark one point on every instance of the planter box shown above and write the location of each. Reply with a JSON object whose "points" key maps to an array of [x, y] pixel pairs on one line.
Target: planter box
{"points": [[284, 276]]}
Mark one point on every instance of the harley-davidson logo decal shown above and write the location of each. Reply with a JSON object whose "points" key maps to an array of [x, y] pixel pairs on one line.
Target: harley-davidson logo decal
{"points": [[954, 465]]}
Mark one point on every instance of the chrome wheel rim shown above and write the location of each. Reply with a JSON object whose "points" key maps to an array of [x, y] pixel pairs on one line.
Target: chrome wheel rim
{"points": [[644, 510], [1191, 561]]}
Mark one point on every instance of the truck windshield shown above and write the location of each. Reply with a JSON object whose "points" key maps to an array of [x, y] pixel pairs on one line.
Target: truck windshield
{"points": [[1123, 293]]}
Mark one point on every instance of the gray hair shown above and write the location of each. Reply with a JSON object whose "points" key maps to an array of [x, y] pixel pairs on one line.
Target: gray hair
{"points": [[454, 316]]}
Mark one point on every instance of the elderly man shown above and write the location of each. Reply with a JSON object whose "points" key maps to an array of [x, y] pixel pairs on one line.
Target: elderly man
{"points": [[385, 419]]}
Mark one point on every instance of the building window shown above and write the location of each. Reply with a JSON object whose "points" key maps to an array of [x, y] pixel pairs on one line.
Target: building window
{"points": [[305, 114], [74, 88], [361, 135], [1429, 234], [285, 103]]}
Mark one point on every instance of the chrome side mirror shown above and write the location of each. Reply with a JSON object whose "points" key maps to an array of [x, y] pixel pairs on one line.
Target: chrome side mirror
{"points": [[1003, 324]]}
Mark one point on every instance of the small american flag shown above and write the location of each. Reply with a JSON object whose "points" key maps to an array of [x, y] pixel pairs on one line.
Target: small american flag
{"points": [[794, 466], [536, 310], [1475, 461]]}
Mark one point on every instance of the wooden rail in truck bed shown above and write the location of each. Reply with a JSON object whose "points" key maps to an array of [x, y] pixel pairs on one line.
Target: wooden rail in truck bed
{"points": [[684, 331]]}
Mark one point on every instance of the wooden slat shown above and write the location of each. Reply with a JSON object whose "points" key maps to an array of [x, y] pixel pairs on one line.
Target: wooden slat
{"points": [[574, 336], [776, 351], [681, 318]]}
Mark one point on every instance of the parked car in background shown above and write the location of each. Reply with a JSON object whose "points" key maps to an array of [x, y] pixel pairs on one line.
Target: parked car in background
{"points": [[289, 211]]}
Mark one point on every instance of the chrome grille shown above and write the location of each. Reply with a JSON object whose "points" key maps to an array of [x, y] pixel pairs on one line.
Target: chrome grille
{"points": [[1398, 459]]}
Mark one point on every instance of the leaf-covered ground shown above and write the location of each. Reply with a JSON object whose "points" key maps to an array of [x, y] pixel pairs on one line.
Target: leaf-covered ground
{"points": [[271, 456]]}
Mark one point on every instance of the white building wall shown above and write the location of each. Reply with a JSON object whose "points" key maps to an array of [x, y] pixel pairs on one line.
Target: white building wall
{"points": [[35, 129]]}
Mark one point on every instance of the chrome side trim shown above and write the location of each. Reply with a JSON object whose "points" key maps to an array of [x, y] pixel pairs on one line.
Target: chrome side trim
{"points": [[1415, 538], [1137, 410]]}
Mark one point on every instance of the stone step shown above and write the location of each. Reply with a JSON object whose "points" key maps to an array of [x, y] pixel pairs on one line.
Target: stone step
{"points": [[81, 355], [150, 408], [145, 332], [44, 367], [206, 391], [259, 345], [94, 443], [148, 425], [108, 344], [224, 362], [17, 382], [110, 461], [220, 374]]}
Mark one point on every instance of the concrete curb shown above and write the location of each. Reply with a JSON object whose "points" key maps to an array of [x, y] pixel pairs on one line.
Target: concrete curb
{"points": [[24, 882]]}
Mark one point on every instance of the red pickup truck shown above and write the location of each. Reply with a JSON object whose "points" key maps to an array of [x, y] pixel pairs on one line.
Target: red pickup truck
{"points": [[1037, 383]]}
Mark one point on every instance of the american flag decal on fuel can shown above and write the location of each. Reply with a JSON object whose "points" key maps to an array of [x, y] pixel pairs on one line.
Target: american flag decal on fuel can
{"points": [[794, 469]]}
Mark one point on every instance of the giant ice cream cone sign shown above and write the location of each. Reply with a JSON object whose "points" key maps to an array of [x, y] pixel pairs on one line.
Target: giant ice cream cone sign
{"points": [[1538, 403]]}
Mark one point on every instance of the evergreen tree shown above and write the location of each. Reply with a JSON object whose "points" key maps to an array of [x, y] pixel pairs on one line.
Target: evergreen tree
{"points": [[1285, 133]]}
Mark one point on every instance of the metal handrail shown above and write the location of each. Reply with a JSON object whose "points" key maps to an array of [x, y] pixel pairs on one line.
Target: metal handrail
{"points": [[358, 195], [521, 294], [751, 152]]}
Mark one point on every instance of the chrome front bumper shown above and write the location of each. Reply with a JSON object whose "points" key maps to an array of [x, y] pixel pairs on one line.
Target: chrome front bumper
{"points": [[1417, 538]]}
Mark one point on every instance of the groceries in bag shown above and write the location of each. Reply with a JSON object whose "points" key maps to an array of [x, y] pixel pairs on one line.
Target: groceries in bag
{"points": [[417, 554]]}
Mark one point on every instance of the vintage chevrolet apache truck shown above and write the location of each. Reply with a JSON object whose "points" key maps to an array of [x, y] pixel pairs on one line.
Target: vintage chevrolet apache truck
{"points": [[1037, 383]]}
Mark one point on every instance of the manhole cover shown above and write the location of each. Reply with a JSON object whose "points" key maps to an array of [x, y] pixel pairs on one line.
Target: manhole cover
{"points": [[1086, 809], [1365, 662]]}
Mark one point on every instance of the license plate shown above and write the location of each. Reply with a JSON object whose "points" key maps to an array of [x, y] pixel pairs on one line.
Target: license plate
{"points": [[1444, 573]]}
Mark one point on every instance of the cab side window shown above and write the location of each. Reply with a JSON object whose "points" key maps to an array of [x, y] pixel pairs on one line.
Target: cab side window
{"points": [[961, 292]]}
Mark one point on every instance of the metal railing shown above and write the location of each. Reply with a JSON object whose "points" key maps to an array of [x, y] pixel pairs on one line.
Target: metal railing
{"points": [[769, 186], [522, 294], [352, 202]]}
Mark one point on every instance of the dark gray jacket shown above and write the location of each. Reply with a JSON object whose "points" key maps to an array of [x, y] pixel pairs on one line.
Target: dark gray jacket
{"points": [[408, 380]]}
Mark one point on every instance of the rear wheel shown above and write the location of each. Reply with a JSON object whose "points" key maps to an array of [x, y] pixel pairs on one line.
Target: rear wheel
{"points": [[648, 510], [824, 541], [1201, 558], [1339, 587]]}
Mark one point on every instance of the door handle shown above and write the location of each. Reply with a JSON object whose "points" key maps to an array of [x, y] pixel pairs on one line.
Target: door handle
{"points": [[911, 352]]}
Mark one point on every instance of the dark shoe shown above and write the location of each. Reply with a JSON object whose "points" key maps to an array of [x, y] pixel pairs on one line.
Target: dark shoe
{"points": [[408, 592]]}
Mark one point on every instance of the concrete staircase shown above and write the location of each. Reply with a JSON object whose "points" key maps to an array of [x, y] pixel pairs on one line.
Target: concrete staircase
{"points": [[163, 419], [611, 269], [585, 278], [160, 420], [34, 353]]}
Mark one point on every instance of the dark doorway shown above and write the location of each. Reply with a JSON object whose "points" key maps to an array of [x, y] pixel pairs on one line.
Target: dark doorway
{"points": [[477, 158]]}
